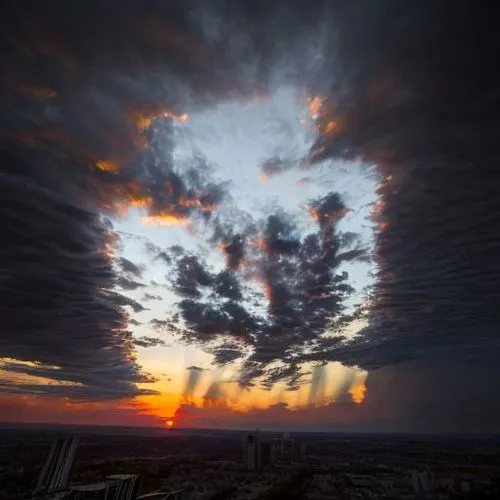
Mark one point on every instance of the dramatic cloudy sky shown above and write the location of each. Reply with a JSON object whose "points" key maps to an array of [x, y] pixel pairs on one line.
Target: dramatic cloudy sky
{"points": [[239, 214]]}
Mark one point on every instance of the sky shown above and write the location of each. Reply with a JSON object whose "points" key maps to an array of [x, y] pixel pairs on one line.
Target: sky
{"points": [[230, 215]]}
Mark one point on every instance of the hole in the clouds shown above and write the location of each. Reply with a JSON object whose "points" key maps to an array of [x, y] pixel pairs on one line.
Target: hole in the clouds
{"points": [[259, 150]]}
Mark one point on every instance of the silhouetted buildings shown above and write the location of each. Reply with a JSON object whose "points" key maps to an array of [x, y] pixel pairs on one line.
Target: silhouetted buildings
{"points": [[55, 472], [54, 478], [422, 482], [342, 468], [97, 491], [128, 486], [115, 487], [260, 453], [250, 452], [266, 455], [291, 450]]}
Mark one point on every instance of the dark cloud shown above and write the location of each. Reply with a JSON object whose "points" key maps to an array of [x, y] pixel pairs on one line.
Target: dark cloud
{"points": [[280, 235], [57, 307], [127, 284], [328, 209], [128, 267], [303, 294], [191, 276], [164, 257], [291, 374], [226, 285], [148, 297], [176, 250], [234, 251], [404, 109], [304, 290], [227, 353], [88, 393], [122, 300], [91, 133], [146, 341], [164, 325], [274, 166], [250, 371], [206, 321], [69, 153]]}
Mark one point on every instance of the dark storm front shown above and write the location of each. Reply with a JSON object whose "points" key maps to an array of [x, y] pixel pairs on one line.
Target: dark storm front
{"points": [[91, 101], [142, 227], [218, 464]]}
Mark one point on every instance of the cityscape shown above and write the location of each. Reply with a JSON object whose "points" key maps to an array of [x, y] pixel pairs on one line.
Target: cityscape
{"points": [[84, 463]]}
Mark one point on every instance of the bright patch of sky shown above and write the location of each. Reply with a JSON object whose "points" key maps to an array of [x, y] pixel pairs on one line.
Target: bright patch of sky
{"points": [[235, 139]]}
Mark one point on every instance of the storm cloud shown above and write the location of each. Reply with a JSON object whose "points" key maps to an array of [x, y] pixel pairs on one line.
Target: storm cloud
{"points": [[432, 137], [92, 135]]}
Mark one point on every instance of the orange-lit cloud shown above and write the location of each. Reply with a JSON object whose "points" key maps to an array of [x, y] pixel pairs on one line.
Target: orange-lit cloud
{"points": [[144, 119], [196, 202], [358, 391], [108, 166], [331, 216], [260, 242], [39, 409], [315, 105], [329, 127], [165, 219]]}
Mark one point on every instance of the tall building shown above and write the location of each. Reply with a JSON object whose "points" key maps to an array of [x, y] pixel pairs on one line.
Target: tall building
{"points": [[258, 453], [266, 454], [55, 473], [115, 487], [250, 452], [128, 486], [422, 482], [105, 490]]}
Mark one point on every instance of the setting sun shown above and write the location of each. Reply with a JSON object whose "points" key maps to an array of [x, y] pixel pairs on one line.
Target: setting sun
{"points": [[170, 423]]}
